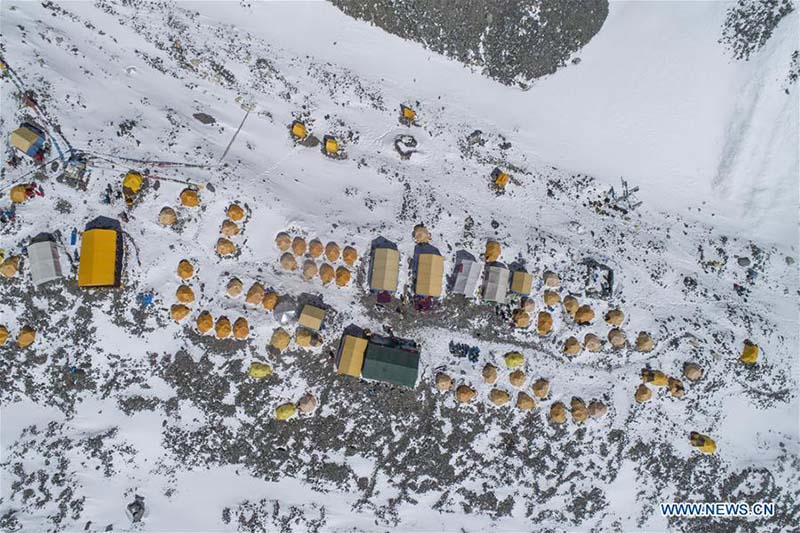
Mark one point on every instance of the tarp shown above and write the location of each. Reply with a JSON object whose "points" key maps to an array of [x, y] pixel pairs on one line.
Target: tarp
{"points": [[26, 140], [311, 317], [98, 262], [496, 286], [385, 269], [522, 282], [468, 273], [351, 355], [430, 268], [44, 262]]}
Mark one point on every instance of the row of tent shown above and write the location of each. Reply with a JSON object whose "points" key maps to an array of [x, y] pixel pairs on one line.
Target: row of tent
{"points": [[429, 274]]}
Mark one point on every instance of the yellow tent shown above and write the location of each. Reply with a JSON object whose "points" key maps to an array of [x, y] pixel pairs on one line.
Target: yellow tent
{"points": [[385, 269], [541, 388], [298, 246], [351, 355], [584, 315], [259, 370], [3, 335], [98, 260], [656, 378], [558, 413], [311, 317], [280, 339], [229, 228], [514, 359], [225, 247], [178, 312], [234, 288], [342, 276], [241, 329], [492, 252], [525, 402], [704, 443], [407, 113], [517, 378], [283, 241], [521, 282], [465, 394], [579, 411], [544, 323], [189, 198], [430, 268], [299, 130], [500, 178], [499, 397], [285, 411], [255, 294], [349, 255], [270, 300], [235, 212], [133, 181], [331, 145], [223, 327], [749, 353], [315, 248], [326, 273], [10, 266], [185, 269], [18, 194], [184, 294], [288, 262], [167, 216], [205, 322], [26, 337]]}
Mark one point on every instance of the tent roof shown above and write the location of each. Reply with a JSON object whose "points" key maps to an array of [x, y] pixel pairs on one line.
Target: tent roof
{"points": [[44, 261], [385, 269], [26, 140], [496, 285], [351, 355], [391, 364], [98, 260], [522, 282], [430, 269], [311, 317], [468, 273]]}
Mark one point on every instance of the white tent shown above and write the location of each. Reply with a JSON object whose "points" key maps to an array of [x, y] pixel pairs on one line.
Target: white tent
{"points": [[44, 262], [468, 273], [496, 286]]}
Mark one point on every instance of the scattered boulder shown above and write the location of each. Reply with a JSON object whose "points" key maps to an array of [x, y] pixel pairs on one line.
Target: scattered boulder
{"points": [[525, 402], [270, 300], [541, 387], [617, 338], [642, 394], [584, 315], [315, 248], [280, 339], [283, 241], [288, 262], [551, 298], [421, 234], [234, 288], [332, 251], [26, 337], [298, 246], [614, 317], [592, 343], [326, 273], [499, 397], [205, 322], [259, 370], [579, 412], [520, 318], [675, 387], [558, 413], [223, 328], [749, 353], [167, 216], [571, 305], [492, 252], [597, 409], [307, 403], [255, 294], [225, 247], [692, 371], [184, 294], [342, 276], [349, 255], [229, 228], [517, 378], [189, 198], [235, 212], [644, 342], [443, 382], [241, 329], [465, 394], [551, 279], [489, 373], [572, 346], [544, 323], [185, 269], [10, 266], [309, 270], [178, 312]]}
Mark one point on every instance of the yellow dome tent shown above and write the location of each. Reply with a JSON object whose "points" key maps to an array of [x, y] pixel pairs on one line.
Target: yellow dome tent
{"points": [[234, 288], [167, 216], [489, 373], [185, 269], [500, 178], [617, 338], [309, 270], [408, 114], [465, 394], [579, 412], [241, 329], [205, 322], [18, 194], [349, 255], [10, 266], [3, 335], [571, 305], [492, 252], [285, 411], [298, 130], [521, 318], [525, 402], [225, 247], [332, 251], [541, 387], [283, 241], [421, 234], [315, 248], [675, 387], [499, 397], [178, 312], [656, 378], [330, 145], [597, 409], [255, 294], [516, 378], [749, 353], [302, 337], [298, 246], [229, 228], [259, 370], [592, 343], [551, 298], [132, 181], [514, 359], [342, 276], [189, 198], [572, 346], [558, 413], [644, 342], [615, 317], [584, 315], [235, 212], [288, 262], [692, 371], [223, 328], [443, 382], [184, 294], [704, 443], [326, 273], [544, 323], [26, 337], [270, 300], [280, 339], [642, 393]]}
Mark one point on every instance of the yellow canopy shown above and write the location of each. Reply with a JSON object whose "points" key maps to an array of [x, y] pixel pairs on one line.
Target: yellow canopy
{"points": [[385, 268], [331, 145], [98, 261], [522, 282], [299, 130], [351, 356], [430, 268], [132, 181], [311, 317]]}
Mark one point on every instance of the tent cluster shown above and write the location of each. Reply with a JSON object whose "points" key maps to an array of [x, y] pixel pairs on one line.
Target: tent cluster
{"points": [[184, 294], [579, 410], [25, 337], [297, 249], [235, 214], [307, 333], [305, 405], [188, 197], [652, 379], [331, 145], [388, 359], [222, 326]]}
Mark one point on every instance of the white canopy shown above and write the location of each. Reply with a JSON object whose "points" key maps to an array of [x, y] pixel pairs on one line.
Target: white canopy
{"points": [[44, 262], [496, 285], [468, 273]]}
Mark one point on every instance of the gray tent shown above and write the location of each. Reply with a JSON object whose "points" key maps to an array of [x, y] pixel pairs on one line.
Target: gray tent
{"points": [[496, 285], [468, 273], [43, 259]]}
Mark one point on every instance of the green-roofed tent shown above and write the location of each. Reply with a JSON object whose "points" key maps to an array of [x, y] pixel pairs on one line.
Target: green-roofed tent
{"points": [[391, 364]]}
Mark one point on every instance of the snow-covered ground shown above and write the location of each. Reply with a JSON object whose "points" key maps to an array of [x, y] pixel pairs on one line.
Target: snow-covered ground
{"points": [[167, 414]]}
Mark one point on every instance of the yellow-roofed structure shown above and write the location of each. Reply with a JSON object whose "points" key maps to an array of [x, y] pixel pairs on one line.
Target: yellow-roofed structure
{"points": [[385, 269], [98, 261], [521, 282], [430, 269], [351, 355], [311, 317]]}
